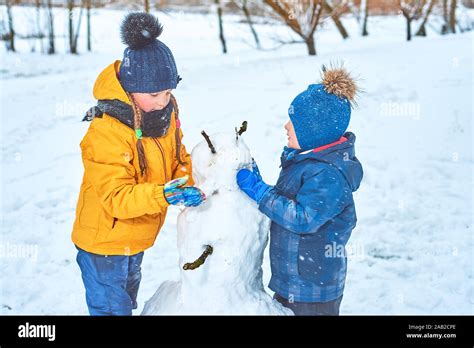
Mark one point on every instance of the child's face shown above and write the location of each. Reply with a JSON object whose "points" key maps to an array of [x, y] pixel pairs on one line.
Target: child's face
{"points": [[290, 132], [152, 101]]}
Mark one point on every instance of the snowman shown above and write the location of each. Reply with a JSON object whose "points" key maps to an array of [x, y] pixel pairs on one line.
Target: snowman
{"points": [[221, 242]]}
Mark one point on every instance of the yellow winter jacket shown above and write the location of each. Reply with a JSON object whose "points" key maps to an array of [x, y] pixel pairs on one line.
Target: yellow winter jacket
{"points": [[118, 212]]}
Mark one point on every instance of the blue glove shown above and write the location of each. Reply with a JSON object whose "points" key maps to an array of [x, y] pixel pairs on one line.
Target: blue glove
{"points": [[189, 196], [250, 181]]}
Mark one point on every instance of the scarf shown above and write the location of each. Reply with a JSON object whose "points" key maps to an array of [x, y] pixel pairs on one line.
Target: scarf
{"points": [[155, 124]]}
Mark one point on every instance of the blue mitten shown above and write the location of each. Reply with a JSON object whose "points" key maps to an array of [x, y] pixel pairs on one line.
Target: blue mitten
{"points": [[250, 181]]}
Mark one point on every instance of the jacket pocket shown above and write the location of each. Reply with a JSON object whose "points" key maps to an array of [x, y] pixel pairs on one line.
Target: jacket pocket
{"points": [[113, 222], [90, 211], [115, 231]]}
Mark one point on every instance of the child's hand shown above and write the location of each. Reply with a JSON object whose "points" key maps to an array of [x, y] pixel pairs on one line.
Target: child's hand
{"points": [[250, 181], [189, 196]]}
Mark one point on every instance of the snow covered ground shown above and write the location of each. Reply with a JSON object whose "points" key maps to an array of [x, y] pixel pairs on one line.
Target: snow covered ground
{"points": [[412, 250]]}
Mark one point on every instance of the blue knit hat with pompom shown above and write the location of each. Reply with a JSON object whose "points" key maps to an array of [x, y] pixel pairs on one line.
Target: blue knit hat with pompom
{"points": [[148, 65], [321, 114]]}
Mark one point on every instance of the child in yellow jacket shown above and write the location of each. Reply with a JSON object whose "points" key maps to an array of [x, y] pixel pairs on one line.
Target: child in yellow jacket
{"points": [[135, 166]]}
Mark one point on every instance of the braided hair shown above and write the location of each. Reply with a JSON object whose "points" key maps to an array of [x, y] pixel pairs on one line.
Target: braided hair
{"points": [[176, 133], [137, 125]]}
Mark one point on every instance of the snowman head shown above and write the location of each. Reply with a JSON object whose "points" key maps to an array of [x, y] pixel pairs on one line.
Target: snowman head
{"points": [[217, 159]]}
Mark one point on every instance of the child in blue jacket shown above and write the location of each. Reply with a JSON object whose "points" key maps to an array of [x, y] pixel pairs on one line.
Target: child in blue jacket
{"points": [[311, 205]]}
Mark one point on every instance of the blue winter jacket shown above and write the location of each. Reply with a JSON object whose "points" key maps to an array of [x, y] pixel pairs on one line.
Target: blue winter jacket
{"points": [[313, 215]]}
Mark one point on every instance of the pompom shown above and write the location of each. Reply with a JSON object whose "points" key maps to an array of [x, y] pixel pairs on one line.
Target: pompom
{"points": [[140, 29], [338, 81]]}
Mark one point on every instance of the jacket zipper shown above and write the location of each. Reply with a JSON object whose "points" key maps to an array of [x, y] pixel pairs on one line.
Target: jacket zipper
{"points": [[163, 156]]}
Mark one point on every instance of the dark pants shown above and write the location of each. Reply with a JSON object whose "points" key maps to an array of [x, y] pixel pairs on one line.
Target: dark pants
{"points": [[311, 308], [111, 282]]}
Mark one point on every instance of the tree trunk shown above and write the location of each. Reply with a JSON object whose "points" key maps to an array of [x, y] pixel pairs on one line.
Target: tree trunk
{"points": [[147, 6], [452, 16], [445, 10], [311, 46], [366, 19], [78, 30], [444, 27], [51, 46], [249, 21], [70, 6], [221, 26], [11, 38], [89, 44], [38, 25], [408, 29], [422, 30], [73, 35], [335, 17]]}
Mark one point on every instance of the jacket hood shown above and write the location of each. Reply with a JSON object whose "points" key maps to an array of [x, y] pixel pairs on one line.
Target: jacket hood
{"points": [[107, 84], [342, 156]]}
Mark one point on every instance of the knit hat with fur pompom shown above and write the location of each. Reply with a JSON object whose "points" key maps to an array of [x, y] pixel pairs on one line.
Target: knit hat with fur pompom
{"points": [[321, 114]]}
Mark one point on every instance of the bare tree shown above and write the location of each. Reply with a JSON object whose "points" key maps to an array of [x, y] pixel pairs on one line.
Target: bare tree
{"points": [[422, 30], [449, 16], [452, 16], [360, 10], [50, 22], [11, 35], [411, 10], [39, 30], [365, 5], [329, 8], [73, 34], [70, 6], [444, 28], [301, 16], [88, 16], [221, 26], [243, 5]]}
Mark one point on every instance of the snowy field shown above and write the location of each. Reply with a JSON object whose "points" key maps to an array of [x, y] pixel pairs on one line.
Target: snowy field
{"points": [[412, 250]]}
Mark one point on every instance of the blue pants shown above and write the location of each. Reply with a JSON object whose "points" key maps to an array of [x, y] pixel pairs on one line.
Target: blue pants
{"points": [[311, 308], [111, 282]]}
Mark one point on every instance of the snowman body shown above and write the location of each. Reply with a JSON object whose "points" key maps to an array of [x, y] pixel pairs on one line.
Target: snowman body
{"points": [[230, 279]]}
